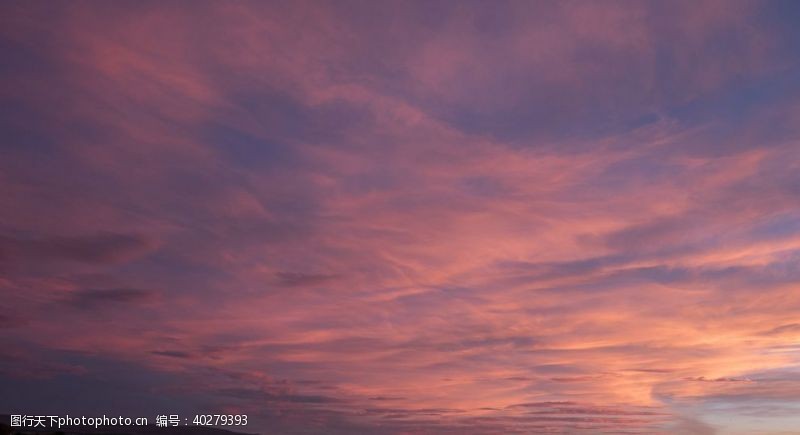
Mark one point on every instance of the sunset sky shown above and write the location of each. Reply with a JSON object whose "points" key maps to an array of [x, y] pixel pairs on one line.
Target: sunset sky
{"points": [[403, 217]]}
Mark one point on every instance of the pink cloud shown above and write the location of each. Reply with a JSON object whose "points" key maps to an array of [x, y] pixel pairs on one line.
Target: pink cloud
{"points": [[284, 210]]}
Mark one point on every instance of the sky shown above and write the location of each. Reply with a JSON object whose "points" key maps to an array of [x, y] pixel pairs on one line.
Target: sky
{"points": [[403, 217]]}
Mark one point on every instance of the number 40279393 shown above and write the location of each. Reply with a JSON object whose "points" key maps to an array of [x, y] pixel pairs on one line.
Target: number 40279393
{"points": [[220, 420]]}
